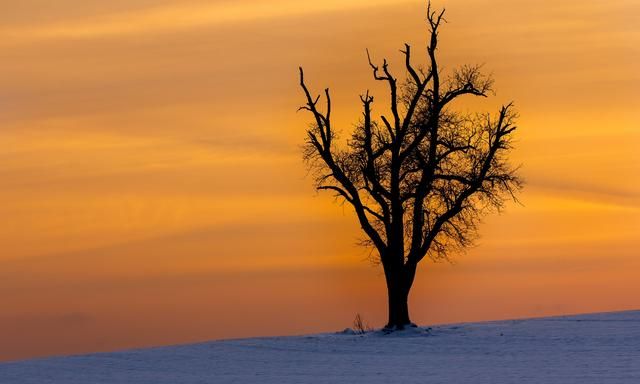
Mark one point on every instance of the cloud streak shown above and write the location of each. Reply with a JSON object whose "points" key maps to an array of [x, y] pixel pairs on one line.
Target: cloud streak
{"points": [[176, 17]]}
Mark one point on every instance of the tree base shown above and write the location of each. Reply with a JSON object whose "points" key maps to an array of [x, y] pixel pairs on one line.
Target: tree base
{"points": [[398, 327]]}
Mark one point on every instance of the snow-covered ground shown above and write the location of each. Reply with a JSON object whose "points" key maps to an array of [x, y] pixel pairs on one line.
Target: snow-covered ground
{"points": [[595, 348]]}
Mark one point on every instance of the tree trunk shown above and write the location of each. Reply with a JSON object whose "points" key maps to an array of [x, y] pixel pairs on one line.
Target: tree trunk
{"points": [[399, 284]]}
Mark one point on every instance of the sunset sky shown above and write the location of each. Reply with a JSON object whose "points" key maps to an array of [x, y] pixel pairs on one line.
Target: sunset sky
{"points": [[153, 192]]}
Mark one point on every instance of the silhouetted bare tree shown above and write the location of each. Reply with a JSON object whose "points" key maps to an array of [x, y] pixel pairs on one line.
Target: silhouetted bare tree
{"points": [[420, 178]]}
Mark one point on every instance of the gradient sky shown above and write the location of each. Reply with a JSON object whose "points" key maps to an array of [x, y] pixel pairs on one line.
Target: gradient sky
{"points": [[153, 191]]}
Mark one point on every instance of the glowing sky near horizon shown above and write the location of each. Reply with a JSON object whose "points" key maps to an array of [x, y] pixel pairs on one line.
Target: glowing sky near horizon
{"points": [[153, 191]]}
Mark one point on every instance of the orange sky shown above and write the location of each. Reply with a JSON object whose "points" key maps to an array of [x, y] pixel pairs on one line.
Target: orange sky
{"points": [[153, 191]]}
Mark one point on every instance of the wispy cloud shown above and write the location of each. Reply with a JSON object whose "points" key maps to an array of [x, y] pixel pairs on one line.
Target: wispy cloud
{"points": [[181, 16]]}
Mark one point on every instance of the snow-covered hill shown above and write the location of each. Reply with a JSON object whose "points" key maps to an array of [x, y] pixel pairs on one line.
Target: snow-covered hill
{"points": [[595, 348]]}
